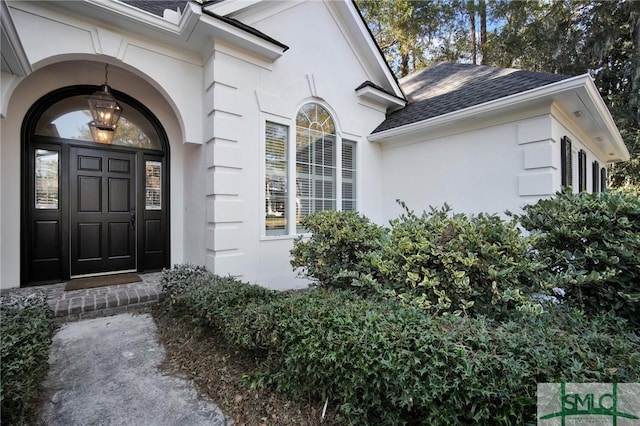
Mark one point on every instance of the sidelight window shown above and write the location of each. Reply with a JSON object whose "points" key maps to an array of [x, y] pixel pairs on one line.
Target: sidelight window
{"points": [[47, 179], [153, 185]]}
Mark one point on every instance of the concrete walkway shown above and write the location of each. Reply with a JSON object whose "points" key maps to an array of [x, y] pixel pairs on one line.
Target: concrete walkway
{"points": [[104, 371]]}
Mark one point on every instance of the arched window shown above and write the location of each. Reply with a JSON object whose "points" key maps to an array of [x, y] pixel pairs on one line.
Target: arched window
{"points": [[69, 119], [324, 170], [315, 161]]}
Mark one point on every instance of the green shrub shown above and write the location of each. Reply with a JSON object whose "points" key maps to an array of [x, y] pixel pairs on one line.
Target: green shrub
{"points": [[387, 363], [456, 263], [233, 307], [337, 242], [178, 283], [442, 262], [591, 244], [223, 303], [26, 328], [384, 362]]}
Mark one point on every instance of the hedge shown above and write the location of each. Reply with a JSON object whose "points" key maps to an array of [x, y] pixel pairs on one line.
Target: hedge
{"points": [[26, 328], [384, 362]]}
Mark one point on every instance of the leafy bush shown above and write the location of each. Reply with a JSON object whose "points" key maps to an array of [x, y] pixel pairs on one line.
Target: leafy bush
{"points": [[591, 244], [337, 242], [455, 263], [388, 363], [442, 262], [26, 328], [384, 362], [223, 303], [179, 281]]}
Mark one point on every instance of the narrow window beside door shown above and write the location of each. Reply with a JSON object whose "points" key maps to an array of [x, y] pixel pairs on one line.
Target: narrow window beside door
{"points": [[46, 182], [153, 185]]}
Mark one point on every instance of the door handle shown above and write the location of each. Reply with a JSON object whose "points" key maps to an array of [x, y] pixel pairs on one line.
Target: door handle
{"points": [[133, 219]]}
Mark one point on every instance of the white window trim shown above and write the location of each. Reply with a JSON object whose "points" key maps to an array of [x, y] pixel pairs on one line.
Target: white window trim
{"points": [[276, 119], [291, 169]]}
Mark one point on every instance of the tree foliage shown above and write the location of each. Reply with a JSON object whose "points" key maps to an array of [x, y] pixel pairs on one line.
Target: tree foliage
{"points": [[573, 37]]}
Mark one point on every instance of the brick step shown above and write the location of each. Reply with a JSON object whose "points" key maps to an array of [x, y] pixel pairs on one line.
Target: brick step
{"points": [[103, 301]]}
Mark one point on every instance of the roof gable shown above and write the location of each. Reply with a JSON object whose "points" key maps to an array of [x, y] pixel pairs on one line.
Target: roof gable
{"points": [[235, 12], [448, 87]]}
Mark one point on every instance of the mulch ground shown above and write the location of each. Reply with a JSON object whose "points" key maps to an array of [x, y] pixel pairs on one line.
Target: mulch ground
{"points": [[220, 371]]}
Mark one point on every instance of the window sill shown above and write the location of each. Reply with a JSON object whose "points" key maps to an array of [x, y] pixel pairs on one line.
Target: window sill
{"points": [[284, 237]]}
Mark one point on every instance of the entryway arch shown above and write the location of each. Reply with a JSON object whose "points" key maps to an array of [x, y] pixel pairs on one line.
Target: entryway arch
{"points": [[92, 208]]}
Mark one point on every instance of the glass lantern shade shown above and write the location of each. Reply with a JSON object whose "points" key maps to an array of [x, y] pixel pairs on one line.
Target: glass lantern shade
{"points": [[101, 135], [104, 110]]}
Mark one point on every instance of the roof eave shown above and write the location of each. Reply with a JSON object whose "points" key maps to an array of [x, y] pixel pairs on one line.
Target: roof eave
{"points": [[221, 28], [366, 43], [124, 15], [228, 7], [192, 30], [582, 83], [380, 97], [603, 113]]}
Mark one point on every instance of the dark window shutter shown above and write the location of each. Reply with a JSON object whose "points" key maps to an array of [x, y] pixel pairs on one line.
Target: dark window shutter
{"points": [[603, 179], [595, 172], [582, 170], [565, 159]]}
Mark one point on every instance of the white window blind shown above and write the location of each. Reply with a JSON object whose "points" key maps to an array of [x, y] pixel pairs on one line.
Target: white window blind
{"points": [[47, 180], [324, 167], [153, 185], [348, 175], [276, 179], [316, 169]]}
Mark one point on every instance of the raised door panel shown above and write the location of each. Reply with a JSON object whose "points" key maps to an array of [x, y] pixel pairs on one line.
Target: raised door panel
{"points": [[102, 211]]}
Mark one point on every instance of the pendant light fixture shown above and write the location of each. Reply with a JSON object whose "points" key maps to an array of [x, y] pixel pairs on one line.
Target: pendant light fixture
{"points": [[105, 111]]}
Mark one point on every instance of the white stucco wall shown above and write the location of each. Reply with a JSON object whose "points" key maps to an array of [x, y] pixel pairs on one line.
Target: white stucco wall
{"points": [[214, 105], [320, 66], [474, 171], [493, 168]]}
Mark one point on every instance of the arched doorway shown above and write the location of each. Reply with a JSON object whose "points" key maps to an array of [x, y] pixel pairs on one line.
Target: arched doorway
{"points": [[92, 208]]}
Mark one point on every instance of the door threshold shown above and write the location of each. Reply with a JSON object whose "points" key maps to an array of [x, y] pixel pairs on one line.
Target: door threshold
{"points": [[102, 274]]}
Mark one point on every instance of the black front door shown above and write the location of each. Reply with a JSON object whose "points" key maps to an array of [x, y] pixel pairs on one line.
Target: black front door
{"points": [[102, 207]]}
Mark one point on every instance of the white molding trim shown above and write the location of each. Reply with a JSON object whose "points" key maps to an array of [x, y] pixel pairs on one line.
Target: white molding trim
{"points": [[379, 97], [243, 39], [359, 34], [12, 49], [137, 17], [228, 7]]}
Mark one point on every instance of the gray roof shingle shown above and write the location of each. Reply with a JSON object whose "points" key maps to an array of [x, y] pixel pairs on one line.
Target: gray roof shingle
{"points": [[157, 7], [447, 87]]}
